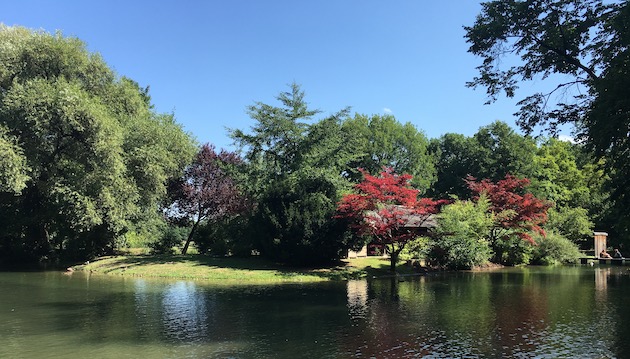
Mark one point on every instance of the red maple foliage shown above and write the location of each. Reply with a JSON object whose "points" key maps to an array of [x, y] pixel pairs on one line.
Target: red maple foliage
{"points": [[387, 209], [516, 212]]}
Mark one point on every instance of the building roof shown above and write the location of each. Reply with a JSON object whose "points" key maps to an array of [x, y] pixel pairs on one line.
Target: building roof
{"points": [[414, 220]]}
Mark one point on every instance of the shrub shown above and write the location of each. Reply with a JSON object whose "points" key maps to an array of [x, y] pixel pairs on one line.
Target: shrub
{"points": [[512, 250], [461, 240], [461, 252], [572, 223], [294, 222], [173, 236], [555, 249], [417, 248], [136, 239], [225, 237]]}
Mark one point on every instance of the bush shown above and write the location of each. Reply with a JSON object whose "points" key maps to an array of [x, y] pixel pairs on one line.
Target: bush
{"points": [[136, 239], [461, 240], [294, 222], [572, 223], [208, 239], [512, 250], [173, 236], [461, 252], [555, 249], [416, 249], [226, 237]]}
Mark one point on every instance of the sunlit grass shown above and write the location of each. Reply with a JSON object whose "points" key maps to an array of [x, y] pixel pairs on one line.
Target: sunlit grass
{"points": [[235, 270]]}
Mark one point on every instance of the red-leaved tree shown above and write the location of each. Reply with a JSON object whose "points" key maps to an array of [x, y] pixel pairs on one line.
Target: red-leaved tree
{"points": [[387, 209], [207, 191], [516, 212]]}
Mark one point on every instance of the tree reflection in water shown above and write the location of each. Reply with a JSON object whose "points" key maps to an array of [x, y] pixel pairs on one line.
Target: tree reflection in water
{"points": [[515, 312], [544, 312]]}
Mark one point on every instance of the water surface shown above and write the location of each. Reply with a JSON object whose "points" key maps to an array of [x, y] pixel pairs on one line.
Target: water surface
{"points": [[521, 313]]}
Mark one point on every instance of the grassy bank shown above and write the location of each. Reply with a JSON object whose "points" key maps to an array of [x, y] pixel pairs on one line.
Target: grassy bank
{"points": [[234, 270]]}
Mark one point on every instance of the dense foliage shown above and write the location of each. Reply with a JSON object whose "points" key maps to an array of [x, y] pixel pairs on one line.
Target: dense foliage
{"points": [[387, 210], [382, 141], [493, 152], [85, 159], [515, 211], [580, 49], [554, 249], [13, 168], [296, 174], [517, 215], [207, 191], [85, 162], [462, 239]]}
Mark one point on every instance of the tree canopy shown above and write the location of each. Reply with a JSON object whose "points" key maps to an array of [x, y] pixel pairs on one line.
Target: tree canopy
{"points": [[581, 51], [296, 172], [515, 212], [88, 157], [207, 191], [384, 142], [492, 152]]}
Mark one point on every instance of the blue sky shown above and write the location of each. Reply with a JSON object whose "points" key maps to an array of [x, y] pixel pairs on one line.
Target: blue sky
{"points": [[207, 60]]}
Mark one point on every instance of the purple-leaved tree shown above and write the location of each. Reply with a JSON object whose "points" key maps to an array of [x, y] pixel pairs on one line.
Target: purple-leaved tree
{"points": [[206, 191]]}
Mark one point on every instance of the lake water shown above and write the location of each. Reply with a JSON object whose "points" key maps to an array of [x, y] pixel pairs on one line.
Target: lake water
{"points": [[569, 312]]}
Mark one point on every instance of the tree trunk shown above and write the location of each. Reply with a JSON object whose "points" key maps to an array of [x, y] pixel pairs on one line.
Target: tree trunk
{"points": [[43, 240], [393, 288], [393, 257], [190, 235]]}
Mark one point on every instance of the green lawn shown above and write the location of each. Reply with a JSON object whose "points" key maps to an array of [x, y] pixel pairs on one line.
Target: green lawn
{"points": [[232, 271]]}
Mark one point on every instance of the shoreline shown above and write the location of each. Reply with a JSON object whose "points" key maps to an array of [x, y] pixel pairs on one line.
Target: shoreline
{"points": [[229, 270]]}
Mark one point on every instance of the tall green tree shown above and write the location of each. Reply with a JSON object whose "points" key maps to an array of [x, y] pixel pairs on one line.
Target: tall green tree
{"points": [[457, 157], [296, 170], [97, 156], [502, 151], [580, 50], [491, 153], [385, 142], [558, 178]]}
